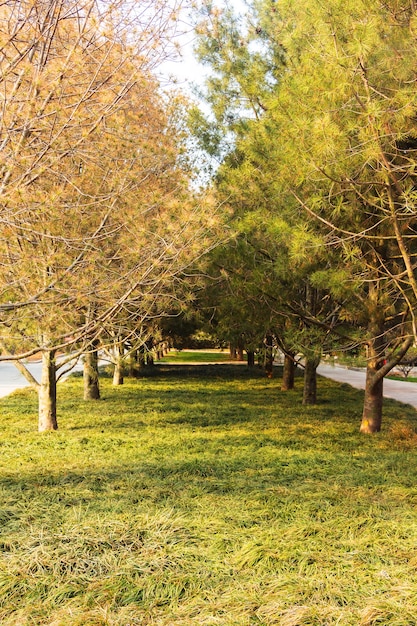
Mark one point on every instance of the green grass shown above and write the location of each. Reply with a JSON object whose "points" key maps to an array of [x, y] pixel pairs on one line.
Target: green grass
{"points": [[348, 360], [191, 356], [408, 379], [207, 497]]}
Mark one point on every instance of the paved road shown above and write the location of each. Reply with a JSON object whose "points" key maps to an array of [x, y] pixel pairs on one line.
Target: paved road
{"points": [[396, 389], [11, 379]]}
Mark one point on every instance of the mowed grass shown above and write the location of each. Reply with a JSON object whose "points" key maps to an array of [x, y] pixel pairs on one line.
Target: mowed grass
{"points": [[409, 379], [196, 356], [206, 496]]}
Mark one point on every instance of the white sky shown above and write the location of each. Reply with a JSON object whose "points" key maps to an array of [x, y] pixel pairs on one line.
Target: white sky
{"points": [[187, 70]]}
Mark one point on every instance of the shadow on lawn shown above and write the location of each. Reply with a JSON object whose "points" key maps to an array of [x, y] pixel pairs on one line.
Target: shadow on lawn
{"points": [[167, 481], [174, 370], [246, 474]]}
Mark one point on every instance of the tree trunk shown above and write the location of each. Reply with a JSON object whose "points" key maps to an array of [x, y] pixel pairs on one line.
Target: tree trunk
{"points": [[288, 373], [118, 374], [251, 358], [91, 379], [310, 380], [150, 354], [118, 366], [141, 357], [372, 405], [134, 364], [379, 364], [240, 348], [47, 393], [269, 356], [373, 400]]}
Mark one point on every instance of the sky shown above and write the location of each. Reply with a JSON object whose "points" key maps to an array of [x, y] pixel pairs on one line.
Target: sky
{"points": [[186, 71]]}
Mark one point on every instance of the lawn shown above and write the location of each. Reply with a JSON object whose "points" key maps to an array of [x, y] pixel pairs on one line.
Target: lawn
{"points": [[409, 379], [205, 496], [196, 356]]}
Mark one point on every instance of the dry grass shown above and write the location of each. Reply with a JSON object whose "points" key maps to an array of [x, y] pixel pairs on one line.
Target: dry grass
{"points": [[209, 499]]}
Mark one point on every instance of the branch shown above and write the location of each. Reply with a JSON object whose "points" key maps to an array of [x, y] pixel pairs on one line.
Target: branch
{"points": [[22, 369], [394, 360]]}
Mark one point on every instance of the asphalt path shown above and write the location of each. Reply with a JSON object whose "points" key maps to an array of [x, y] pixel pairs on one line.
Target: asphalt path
{"points": [[11, 379], [395, 389]]}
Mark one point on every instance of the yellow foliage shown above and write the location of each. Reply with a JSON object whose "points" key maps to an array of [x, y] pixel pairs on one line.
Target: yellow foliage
{"points": [[94, 206]]}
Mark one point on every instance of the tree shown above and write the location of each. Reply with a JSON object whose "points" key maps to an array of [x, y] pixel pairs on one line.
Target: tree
{"points": [[335, 143], [350, 147], [95, 209]]}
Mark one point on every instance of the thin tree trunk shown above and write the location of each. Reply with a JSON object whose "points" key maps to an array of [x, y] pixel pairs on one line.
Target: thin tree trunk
{"points": [[310, 380], [134, 364], [141, 358], [288, 373], [377, 368], [269, 356], [91, 378], [118, 374], [118, 366], [240, 347], [47, 393], [251, 358], [373, 401], [150, 354]]}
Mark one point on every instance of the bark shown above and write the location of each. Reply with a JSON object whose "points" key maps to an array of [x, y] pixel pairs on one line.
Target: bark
{"points": [[134, 364], [269, 356], [141, 358], [372, 404], [118, 365], [91, 378], [240, 348], [150, 354], [310, 380], [251, 358], [47, 393], [288, 373], [377, 368]]}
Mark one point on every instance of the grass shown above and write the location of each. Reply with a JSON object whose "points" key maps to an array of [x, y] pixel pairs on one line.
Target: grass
{"points": [[194, 356], [408, 379], [205, 496], [348, 360]]}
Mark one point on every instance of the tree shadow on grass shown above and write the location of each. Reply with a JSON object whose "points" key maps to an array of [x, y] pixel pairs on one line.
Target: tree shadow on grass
{"points": [[239, 472], [225, 371]]}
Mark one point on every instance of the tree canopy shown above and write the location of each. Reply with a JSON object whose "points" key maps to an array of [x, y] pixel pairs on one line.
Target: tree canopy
{"points": [[327, 155], [97, 215]]}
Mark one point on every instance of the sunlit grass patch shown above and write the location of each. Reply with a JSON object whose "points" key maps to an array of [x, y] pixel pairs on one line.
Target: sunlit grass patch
{"points": [[207, 498], [196, 356]]}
